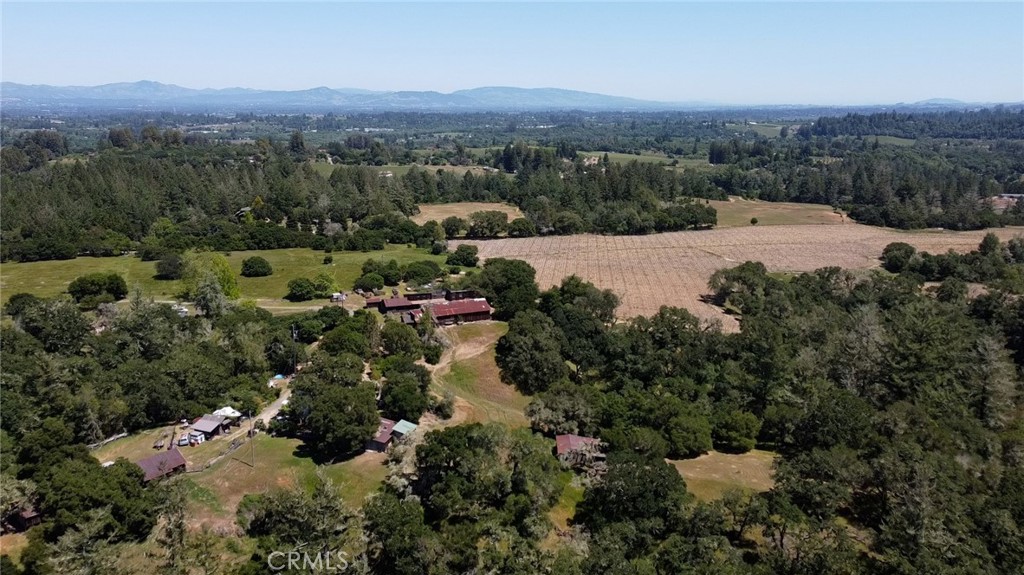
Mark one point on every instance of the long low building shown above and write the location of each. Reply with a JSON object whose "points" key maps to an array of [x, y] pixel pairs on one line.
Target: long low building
{"points": [[461, 311]]}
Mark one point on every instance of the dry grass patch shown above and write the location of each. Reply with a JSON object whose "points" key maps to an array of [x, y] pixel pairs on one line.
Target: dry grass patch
{"points": [[468, 370], [712, 474], [12, 545], [136, 446], [673, 269], [738, 212], [216, 492], [439, 212]]}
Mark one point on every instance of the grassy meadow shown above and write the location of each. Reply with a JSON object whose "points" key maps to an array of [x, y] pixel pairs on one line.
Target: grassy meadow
{"points": [[709, 476], [470, 372], [50, 278], [438, 212], [737, 212], [766, 130]]}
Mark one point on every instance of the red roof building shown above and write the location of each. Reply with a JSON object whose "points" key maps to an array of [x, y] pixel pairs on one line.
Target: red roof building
{"points": [[373, 301], [461, 311], [162, 464], [383, 437], [568, 443]]}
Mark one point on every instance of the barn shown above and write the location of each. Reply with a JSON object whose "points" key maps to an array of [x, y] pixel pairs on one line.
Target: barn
{"points": [[461, 311]]}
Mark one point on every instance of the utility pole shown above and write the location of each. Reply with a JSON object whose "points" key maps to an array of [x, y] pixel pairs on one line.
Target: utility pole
{"points": [[295, 351], [252, 441]]}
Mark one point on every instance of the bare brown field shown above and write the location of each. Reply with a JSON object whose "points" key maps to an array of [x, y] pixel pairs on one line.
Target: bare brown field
{"points": [[438, 212], [712, 474], [648, 272]]}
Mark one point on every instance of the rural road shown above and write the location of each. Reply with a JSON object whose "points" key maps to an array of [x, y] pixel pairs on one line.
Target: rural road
{"points": [[266, 415]]}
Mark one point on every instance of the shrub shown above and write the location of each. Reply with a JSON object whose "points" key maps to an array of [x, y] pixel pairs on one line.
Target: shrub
{"points": [[369, 282], [96, 284], [464, 255], [432, 353], [256, 267], [171, 266], [328, 260], [300, 289]]}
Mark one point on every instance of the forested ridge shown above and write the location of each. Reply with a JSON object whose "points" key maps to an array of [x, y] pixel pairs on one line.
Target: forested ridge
{"points": [[146, 184], [143, 185]]}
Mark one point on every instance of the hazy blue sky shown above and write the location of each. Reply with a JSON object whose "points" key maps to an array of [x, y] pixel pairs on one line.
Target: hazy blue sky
{"points": [[730, 52]]}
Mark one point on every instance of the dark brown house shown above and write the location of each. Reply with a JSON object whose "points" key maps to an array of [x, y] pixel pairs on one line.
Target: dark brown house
{"points": [[162, 464], [456, 295], [397, 305]]}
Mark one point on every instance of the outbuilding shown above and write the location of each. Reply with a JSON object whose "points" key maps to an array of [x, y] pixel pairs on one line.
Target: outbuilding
{"points": [[577, 450], [382, 439], [162, 464], [209, 425], [397, 305], [403, 428]]}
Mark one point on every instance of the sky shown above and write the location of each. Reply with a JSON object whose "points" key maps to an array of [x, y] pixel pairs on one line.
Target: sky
{"points": [[723, 52]]}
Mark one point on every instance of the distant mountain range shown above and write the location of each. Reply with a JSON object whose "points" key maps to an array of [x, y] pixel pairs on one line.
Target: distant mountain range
{"points": [[149, 95]]}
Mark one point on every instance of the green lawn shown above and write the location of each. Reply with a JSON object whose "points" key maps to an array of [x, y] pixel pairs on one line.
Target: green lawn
{"points": [[47, 279]]}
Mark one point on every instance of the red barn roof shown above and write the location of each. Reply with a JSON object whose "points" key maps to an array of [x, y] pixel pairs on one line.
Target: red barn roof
{"points": [[566, 443], [371, 301], [384, 431], [163, 463], [460, 307]]}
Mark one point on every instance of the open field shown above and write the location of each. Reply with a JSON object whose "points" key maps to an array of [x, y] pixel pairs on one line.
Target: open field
{"points": [[216, 492], [766, 130], [651, 157], [46, 279], [712, 474], [439, 212], [737, 212], [397, 171], [673, 268], [891, 140], [468, 370]]}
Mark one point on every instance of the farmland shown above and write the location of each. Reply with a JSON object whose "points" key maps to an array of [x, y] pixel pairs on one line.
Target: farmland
{"points": [[438, 212], [673, 268]]}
